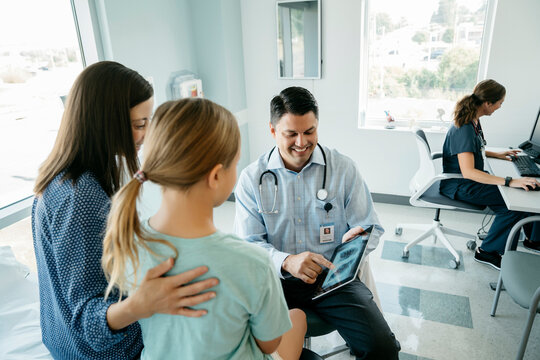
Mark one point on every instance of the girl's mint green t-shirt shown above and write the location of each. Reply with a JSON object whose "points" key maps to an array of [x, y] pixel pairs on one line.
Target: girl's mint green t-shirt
{"points": [[249, 302]]}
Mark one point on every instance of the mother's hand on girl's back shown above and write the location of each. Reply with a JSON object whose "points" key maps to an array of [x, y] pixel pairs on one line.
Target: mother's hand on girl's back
{"points": [[170, 295], [165, 295]]}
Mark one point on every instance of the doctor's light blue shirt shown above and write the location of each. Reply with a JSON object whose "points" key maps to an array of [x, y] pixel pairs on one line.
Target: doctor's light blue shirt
{"points": [[296, 226]]}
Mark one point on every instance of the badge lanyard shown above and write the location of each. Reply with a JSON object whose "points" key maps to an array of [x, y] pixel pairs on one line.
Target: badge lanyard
{"points": [[480, 135]]}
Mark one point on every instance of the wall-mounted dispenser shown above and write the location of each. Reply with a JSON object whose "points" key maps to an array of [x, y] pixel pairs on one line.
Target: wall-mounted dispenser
{"points": [[184, 84]]}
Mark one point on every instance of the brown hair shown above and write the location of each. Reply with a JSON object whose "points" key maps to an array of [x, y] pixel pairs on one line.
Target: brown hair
{"points": [[96, 127], [292, 100], [485, 91], [186, 140]]}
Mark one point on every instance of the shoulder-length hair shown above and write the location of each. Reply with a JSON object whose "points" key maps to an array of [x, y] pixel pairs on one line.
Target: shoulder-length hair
{"points": [[95, 133]]}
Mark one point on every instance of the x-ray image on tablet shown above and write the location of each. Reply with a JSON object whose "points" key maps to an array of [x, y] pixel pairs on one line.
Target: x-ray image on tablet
{"points": [[346, 258]]}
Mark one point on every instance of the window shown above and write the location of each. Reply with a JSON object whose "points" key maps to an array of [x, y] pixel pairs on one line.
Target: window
{"points": [[419, 57], [39, 60]]}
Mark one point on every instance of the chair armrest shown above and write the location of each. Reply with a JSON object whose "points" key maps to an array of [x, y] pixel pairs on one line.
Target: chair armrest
{"points": [[518, 227], [440, 177], [446, 176], [436, 155]]}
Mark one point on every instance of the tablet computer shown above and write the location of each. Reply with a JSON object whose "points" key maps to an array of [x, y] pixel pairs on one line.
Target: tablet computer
{"points": [[346, 258]]}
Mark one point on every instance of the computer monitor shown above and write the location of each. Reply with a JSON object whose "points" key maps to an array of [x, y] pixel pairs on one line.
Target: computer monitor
{"points": [[532, 146], [535, 134]]}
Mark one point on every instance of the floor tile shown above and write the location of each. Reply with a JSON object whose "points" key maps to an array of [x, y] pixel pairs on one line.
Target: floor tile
{"points": [[420, 255]]}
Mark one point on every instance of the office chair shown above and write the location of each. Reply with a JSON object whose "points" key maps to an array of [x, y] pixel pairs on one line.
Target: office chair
{"points": [[318, 327], [519, 273], [425, 193]]}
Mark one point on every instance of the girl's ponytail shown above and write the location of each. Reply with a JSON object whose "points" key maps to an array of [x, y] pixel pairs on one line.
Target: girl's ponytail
{"points": [[124, 235], [123, 232]]}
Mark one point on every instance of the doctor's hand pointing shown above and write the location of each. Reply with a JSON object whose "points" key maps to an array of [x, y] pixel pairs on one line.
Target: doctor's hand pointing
{"points": [[306, 266]]}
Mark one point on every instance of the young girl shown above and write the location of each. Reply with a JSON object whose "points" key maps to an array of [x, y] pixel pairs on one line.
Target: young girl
{"points": [[192, 150]]}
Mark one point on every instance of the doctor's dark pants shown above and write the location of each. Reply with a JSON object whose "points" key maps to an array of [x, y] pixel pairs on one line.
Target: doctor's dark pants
{"points": [[489, 195], [352, 311]]}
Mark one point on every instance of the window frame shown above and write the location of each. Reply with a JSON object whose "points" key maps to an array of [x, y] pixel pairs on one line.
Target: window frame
{"points": [[363, 122], [93, 45]]}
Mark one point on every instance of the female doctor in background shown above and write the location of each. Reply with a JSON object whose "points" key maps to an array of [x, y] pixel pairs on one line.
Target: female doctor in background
{"points": [[103, 126], [463, 153]]}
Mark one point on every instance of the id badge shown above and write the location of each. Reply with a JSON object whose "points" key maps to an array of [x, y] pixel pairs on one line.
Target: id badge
{"points": [[326, 233]]}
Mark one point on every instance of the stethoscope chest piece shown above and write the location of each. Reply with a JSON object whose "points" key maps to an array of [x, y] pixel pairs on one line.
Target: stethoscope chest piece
{"points": [[322, 194]]}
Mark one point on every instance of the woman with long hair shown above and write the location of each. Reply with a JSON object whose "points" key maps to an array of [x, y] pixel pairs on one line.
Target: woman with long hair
{"points": [[463, 153], [192, 151], [107, 112]]}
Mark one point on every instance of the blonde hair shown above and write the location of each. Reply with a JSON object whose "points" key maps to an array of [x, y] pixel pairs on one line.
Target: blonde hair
{"points": [[186, 140], [485, 91]]}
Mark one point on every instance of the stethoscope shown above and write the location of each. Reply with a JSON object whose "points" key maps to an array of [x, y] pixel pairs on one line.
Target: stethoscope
{"points": [[479, 133], [322, 194]]}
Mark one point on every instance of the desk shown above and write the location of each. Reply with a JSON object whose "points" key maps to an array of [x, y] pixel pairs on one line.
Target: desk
{"points": [[515, 199]]}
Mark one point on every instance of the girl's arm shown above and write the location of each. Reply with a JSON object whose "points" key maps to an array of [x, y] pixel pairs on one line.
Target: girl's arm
{"points": [[268, 347], [166, 295], [271, 319]]}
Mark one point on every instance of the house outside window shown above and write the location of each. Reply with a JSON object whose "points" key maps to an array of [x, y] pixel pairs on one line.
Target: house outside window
{"points": [[419, 57]]}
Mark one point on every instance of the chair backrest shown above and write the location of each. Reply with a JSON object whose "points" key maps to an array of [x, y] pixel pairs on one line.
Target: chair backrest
{"points": [[426, 171]]}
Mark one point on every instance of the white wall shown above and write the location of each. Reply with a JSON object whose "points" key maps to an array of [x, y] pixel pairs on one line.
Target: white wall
{"points": [[155, 38], [163, 36], [515, 62], [386, 158]]}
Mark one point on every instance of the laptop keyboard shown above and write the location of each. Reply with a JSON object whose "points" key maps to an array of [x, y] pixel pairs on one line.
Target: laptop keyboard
{"points": [[526, 166]]}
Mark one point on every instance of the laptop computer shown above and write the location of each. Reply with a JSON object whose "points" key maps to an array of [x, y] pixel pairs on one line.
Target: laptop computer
{"points": [[532, 146], [346, 258]]}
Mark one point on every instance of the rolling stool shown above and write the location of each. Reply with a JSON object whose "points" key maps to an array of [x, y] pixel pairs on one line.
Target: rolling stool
{"points": [[318, 327]]}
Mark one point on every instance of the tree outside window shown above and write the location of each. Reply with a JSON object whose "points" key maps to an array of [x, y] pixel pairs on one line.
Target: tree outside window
{"points": [[422, 56]]}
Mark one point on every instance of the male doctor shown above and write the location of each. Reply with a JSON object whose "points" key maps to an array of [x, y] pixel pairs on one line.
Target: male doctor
{"points": [[299, 201]]}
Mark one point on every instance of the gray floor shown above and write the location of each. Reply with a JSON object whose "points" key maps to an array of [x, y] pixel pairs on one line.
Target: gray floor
{"points": [[436, 312]]}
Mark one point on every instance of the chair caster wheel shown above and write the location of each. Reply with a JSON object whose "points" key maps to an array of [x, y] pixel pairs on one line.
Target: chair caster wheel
{"points": [[471, 245], [405, 254], [398, 231], [454, 264]]}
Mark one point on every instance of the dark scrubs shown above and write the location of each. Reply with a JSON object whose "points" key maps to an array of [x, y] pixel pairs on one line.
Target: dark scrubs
{"points": [[465, 139]]}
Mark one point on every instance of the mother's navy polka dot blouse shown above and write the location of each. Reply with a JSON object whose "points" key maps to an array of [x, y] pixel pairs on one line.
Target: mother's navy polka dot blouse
{"points": [[68, 224]]}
